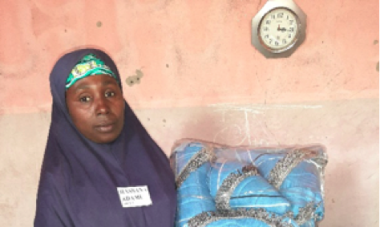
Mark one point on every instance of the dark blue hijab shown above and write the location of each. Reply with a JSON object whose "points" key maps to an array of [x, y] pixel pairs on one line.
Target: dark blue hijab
{"points": [[79, 177]]}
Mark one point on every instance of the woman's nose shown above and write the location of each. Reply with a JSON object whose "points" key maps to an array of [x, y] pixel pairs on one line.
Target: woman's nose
{"points": [[102, 106]]}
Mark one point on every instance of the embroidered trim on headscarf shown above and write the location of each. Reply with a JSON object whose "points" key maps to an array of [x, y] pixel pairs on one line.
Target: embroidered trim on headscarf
{"points": [[88, 66]]}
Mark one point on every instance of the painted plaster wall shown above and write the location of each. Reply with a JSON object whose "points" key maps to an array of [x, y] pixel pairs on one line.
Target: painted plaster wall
{"points": [[201, 78]]}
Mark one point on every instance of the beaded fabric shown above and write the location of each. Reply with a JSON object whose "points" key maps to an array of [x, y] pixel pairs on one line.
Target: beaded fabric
{"points": [[306, 214], [203, 156], [272, 220], [222, 198], [284, 167], [291, 160]]}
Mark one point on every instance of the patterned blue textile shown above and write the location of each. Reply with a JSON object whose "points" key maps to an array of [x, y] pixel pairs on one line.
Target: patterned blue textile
{"points": [[266, 162], [250, 192], [193, 195], [245, 222], [310, 223], [245, 187], [181, 159], [301, 186], [241, 217]]}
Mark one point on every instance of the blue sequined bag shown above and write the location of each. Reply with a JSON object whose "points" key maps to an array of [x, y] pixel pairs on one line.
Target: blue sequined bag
{"points": [[225, 186], [193, 195], [235, 185], [241, 218], [296, 174]]}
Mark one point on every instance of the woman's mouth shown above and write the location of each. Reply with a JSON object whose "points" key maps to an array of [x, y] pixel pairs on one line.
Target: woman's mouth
{"points": [[105, 128]]}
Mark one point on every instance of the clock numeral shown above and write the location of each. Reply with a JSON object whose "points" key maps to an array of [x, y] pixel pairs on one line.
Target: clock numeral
{"points": [[266, 28], [266, 36], [284, 41], [291, 22], [273, 16], [280, 15], [290, 36], [291, 29], [276, 43], [267, 22], [270, 41]]}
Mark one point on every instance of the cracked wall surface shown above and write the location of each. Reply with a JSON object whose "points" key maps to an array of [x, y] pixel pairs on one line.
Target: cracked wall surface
{"points": [[189, 71]]}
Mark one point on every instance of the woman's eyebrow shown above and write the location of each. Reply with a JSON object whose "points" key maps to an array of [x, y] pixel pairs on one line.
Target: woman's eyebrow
{"points": [[85, 86], [107, 82], [82, 87]]}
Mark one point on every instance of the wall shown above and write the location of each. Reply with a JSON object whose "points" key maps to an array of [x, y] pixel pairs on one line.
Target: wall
{"points": [[201, 78]]}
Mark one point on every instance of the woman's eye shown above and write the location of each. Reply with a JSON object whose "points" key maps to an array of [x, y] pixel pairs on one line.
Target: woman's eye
{"points": [[84, 99], [110, 94]]}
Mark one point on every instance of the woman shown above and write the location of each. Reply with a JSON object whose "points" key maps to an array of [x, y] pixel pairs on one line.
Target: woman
{"points": [[101, 167]]}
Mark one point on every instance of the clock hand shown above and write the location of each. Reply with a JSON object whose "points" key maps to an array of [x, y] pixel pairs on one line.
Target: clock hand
{"points": [[281, 29]]}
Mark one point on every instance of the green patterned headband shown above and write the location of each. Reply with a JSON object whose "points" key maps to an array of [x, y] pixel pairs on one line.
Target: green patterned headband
{"points": [[88, 66]]}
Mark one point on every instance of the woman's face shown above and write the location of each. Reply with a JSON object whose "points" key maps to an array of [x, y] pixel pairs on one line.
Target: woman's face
{"points": [[96, 106]]}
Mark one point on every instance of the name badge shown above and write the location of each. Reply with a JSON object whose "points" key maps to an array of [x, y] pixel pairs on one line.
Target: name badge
{"points": [[134, 196]]}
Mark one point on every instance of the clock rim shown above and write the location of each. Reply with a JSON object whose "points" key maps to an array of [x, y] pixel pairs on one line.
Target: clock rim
{"points": [[268, 6], [294, 40]]}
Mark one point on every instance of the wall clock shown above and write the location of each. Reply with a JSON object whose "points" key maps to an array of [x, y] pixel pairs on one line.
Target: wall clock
{"points": [[278, 28]]}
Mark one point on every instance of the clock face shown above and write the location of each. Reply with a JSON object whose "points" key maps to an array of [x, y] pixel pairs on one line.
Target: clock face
{"points": [[278, 29]]}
